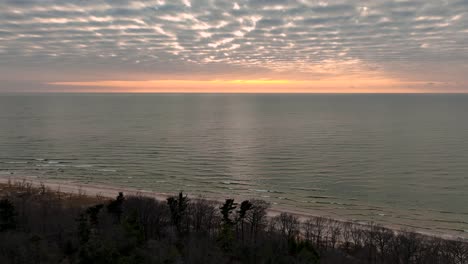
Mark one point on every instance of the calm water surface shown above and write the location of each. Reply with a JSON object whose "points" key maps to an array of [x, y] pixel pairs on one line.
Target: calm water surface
{"points": [[393, 159]]}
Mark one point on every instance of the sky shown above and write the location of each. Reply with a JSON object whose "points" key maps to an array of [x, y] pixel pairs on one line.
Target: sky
{"points": [[305, 46]]}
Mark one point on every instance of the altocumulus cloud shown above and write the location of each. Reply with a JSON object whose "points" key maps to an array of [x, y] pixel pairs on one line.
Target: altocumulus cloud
{"points": [[54, 40]]}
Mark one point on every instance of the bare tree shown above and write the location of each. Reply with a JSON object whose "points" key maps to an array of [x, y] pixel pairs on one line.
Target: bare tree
{"points": [[334, 232], [204, 216], [288, 225], [357, 235], [346, 235], [458, 251], [382, 239], [256, 217], [318, 231]]}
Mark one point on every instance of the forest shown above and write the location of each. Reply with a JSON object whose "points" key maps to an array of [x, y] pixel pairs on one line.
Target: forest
{"points": [[40, 225]]}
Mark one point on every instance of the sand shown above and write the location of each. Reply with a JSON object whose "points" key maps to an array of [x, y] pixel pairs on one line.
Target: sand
{"points": [[109, 191]]}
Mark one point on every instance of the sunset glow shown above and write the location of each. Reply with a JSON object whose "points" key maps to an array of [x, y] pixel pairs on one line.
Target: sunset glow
{"points": [[246, 86], [297, 46]]}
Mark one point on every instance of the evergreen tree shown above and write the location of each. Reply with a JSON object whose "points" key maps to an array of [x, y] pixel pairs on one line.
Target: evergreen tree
{"points": [[115, 207], [178, 206], [226, 236], [244, 208]]}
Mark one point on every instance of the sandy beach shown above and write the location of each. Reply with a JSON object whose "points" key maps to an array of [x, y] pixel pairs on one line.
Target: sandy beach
{"points": [[110, 191]]}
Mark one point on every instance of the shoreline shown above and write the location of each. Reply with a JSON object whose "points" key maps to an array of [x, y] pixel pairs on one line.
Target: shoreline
{"points": [[111, 191]]}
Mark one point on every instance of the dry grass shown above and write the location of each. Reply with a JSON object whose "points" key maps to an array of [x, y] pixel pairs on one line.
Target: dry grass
{"points": [[28, 189]]}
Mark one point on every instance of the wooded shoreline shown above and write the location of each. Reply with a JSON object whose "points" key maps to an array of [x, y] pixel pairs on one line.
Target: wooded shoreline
{"points": [[64, 227], [110, 191]]}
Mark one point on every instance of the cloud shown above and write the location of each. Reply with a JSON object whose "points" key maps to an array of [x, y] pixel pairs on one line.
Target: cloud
{"points": [[303, 39]]}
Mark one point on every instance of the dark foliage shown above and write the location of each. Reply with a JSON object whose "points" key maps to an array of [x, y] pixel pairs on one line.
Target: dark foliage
{"points": [[115, 207], [178, 206], [7, 215], [41, 226]]}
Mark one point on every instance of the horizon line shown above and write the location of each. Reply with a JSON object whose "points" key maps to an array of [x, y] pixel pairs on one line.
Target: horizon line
{"points": [[227, 92]]}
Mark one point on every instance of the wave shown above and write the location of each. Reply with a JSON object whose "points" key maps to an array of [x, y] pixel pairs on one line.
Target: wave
{"points": [[267, 191], [107, 170], [83, 166]]}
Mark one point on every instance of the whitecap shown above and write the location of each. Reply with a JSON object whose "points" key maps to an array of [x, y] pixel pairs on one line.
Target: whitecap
{"points": [[107, 170], [83, 166], [258, 190]]}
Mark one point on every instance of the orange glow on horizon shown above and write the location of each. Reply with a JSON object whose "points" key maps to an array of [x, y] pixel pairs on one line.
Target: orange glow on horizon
{"points": [[248, 86]]}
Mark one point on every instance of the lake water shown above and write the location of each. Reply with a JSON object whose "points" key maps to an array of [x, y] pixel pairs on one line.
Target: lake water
{"points": [[393, 159]]}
